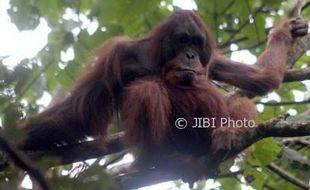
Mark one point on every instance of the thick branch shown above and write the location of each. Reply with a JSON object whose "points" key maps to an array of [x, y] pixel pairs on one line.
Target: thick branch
{"points": [[301, 45], [172, 169], [297, 75], [93, 149], [81, 151], [283, 128], [277, 127], [153, 176]]}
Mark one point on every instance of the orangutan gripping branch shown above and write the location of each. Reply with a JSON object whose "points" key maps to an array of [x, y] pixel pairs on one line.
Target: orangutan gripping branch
{"points": [[154, 81]]}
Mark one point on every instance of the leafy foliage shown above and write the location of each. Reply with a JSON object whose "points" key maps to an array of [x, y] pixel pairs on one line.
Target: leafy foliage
{"points": [[79, 26]]}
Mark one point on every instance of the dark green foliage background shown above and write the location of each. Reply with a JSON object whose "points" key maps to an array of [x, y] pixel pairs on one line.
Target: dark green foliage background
{"points": [[46, 71]]}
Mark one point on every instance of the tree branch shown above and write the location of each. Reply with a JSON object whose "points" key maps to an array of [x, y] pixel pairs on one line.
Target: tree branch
{"points": [[93, 149], [301, 45], [236, 40], [22, 162], [297, 9], [283, 103], [283, 128], [288, 177], [173, 168], [242, 26], [297, 75], [81, 151]]}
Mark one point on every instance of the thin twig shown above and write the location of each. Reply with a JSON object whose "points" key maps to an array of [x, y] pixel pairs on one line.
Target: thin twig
{"points": [[237, 40], [229, 5], [242, 26], [248, 47]]}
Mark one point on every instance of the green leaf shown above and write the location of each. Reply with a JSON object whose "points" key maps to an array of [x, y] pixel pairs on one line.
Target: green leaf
{"points": [[230, 183], [11, 118], [274, 3], [255, 178], [24, 14], [265, 151], [49, 9], [85, 5], [21, 75]]}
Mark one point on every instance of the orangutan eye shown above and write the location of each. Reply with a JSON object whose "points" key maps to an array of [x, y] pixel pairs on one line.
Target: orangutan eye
{"points": [[197, 41], [183, 38]]}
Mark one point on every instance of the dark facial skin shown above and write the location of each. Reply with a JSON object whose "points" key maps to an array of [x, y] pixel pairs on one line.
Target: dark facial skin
{"points": [[187, 60], [189, 57]]}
